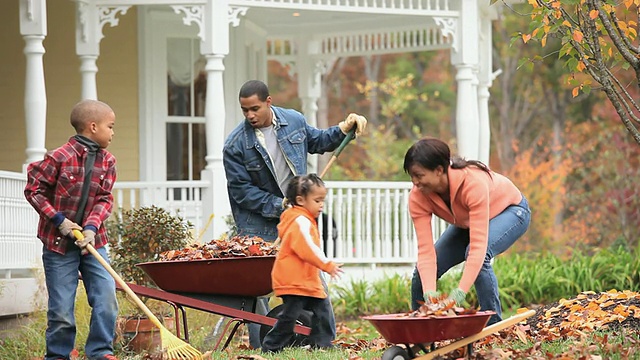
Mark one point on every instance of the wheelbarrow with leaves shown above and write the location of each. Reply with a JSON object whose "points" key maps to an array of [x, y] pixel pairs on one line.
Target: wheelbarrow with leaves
{"points": [[228, 287], [420, 333]]}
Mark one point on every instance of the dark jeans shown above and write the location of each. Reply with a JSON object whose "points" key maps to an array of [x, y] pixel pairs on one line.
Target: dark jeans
{"points": [[322, 332], [452, 248], [262, 308]]}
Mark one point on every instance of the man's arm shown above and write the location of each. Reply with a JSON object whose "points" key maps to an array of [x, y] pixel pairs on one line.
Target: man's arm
{"points": [[243, 191], [322, 141]]}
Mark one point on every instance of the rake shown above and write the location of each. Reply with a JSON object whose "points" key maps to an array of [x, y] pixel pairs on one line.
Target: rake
{"points": [[350, 136], [174, 347]]}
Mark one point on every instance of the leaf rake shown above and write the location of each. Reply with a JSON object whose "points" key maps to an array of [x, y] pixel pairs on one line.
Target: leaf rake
{"points": [[174, 347]]}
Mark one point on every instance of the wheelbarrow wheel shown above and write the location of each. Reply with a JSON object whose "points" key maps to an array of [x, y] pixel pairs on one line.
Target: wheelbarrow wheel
{"points": [[296, 339], [395, 353]]}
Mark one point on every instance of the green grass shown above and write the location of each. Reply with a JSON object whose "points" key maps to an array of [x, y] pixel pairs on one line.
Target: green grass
{"points": [[524, 280]]}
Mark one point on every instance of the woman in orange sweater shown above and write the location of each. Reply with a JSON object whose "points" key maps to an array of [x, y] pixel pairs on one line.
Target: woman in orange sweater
{"points": [[296, 272], [486, 212]]}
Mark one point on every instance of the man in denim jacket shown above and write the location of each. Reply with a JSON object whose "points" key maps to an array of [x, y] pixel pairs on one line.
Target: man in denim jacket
{"points": [[260, 156]]}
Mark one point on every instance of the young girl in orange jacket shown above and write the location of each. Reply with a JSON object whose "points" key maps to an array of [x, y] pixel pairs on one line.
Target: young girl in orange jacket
{"points": [[296, 272]]}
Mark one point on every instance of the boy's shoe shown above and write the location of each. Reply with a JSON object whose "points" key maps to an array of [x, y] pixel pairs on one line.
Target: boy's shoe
{"points": [[107, 357]]}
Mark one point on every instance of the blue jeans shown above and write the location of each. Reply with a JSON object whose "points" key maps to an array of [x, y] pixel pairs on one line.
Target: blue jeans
{"points": [[61, 275], [452, 248], [262, 308]]}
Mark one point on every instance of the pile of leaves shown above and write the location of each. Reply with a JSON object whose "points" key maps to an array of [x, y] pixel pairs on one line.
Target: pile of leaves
{"points": [[585, 313], [574, 320], [438, 308], [236, 246]]}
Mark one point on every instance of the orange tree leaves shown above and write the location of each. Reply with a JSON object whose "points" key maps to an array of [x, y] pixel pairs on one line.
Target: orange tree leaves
{"points": [[599, 40]]}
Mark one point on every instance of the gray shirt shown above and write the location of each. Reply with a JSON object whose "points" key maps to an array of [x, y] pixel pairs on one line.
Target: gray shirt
{"points": [[283, 171]]}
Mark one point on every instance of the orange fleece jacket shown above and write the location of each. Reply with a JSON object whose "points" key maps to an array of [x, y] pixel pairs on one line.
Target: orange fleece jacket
{"points": [[297, 267], [476, 198]]}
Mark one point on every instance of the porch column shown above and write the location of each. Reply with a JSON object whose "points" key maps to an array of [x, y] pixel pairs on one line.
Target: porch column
{"points": [[90, 19], [309, 88], [33, 27], [465, 59], [485, 78], [215, 46], [88, 36]]}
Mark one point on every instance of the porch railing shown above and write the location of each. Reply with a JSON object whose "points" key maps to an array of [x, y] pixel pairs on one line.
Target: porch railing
{"points": [[371, 219], [20, 250]]}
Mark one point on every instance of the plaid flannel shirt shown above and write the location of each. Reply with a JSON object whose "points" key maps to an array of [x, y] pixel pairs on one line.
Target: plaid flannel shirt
{"points": [[55, 185]]}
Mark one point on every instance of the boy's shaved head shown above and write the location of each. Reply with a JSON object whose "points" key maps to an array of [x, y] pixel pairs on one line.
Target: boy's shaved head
{"points": [[86, 111]]}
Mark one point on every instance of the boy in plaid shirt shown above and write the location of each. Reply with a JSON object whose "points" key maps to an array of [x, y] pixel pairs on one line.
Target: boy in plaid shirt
{"points": [[71, 189]]}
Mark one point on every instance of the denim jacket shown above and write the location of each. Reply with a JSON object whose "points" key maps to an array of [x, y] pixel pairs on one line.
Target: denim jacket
{"points": [[256, 199]]}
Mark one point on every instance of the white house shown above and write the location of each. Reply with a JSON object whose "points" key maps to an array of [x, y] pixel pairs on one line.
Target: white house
{"points": [[171, 69]]}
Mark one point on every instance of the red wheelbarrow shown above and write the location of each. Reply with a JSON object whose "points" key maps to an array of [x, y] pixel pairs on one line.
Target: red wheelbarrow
{"points": [[420, 333], [229, 287]]}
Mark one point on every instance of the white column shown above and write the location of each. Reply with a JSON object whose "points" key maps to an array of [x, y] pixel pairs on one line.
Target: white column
{"points": [[88, 36], [465, 58], [484, 82], [309, 88], [215, 198], [33, 27], [88, 71], [90, 19], [467, 125], [214, 46]]}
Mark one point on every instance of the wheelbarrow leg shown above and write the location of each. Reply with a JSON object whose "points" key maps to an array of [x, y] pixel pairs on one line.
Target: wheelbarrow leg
{"points": [[183, 313], [236, 323]]}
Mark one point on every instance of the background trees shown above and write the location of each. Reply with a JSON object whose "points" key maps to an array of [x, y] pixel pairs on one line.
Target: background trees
{"points": [[553, 130]]}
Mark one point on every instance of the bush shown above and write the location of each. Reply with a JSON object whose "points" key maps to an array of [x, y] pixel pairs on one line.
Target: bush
{"points": [[141, 236]]}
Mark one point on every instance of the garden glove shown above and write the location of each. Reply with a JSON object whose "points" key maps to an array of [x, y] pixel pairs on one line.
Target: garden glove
{"points": [[89, 238], [432, 296], [359, 121], [67, 226], [457, 295]]}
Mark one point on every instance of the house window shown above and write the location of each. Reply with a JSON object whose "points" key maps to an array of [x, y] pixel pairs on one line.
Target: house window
{"points": [[186, 93]]}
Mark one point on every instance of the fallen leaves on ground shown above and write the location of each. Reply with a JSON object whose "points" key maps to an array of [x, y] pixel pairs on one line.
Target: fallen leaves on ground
{"points": [[236, 246], [573, 319]]}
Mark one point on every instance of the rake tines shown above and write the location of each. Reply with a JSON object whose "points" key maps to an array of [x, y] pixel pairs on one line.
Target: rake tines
{"points": [[176, 348]]}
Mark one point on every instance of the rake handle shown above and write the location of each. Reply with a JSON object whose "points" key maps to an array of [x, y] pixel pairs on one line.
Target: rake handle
{"points": [[350, 136], [119, 280]]}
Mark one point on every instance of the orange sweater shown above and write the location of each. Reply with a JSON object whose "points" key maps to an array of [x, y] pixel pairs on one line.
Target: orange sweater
{"points": [[297, 267], [475, 199]]}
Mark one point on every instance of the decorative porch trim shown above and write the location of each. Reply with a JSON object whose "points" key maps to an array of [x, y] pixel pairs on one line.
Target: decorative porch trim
{"points": [[234, 14], [108, 15], [192, 14], [448, 27]]}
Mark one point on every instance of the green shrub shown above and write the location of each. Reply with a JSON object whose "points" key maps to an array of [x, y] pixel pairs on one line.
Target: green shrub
{"points": [[141, 236]]}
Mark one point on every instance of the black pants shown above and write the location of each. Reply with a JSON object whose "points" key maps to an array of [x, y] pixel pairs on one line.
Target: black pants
{"points": [[281, 334]]}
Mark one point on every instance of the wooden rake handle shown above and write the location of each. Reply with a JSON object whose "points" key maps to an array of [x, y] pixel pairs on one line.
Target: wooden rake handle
{"points": [[350, 136], [119, 280], [485, 332]]}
